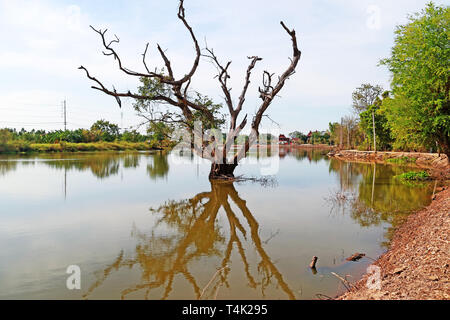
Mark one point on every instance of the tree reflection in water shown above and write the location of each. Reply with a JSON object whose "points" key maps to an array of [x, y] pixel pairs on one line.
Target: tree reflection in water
{"points": [[162, 258], [159, 167], [6, 166], [102, 165], [375, 196]]}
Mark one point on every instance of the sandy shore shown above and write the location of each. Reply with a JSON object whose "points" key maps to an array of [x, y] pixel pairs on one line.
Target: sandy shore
{"points": [[417, 264]]}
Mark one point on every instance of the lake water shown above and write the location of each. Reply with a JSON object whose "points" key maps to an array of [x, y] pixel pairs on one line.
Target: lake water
{"points": [[152, 226]]}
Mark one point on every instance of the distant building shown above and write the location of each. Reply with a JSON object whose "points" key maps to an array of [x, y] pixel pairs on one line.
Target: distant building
{"points": [[282, 139]]}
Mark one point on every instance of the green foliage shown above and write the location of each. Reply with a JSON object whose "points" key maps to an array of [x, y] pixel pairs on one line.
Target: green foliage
{"points": [[299, 135], [102, 136], [348, 132], [267, 138], [334, 132], [133, 136], [419, 113], [159, 131], [382, 129], [23, 146], [319, 137], [100, 131], [402, 160], [414, 176], [363, 97], [149, 109], [218, 119], [316, 137], [105, 131], [151, 87], [15, 146], [416, 117]]}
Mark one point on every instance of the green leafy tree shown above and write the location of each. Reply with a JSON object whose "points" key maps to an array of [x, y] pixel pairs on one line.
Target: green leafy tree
{"points": [[420, 65], [364, 96], [106, 130], [298, 135], [133, 136], [159, 131], [5, 136], [153, 111], [382, 130], [218, 119], [334, 129], [267, 138]]}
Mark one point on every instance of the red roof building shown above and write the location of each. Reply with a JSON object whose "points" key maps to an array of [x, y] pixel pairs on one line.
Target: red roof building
{"points": [[282, 139]]}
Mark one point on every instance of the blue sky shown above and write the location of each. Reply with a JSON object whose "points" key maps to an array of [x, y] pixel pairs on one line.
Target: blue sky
{"points": [[44, 42]]}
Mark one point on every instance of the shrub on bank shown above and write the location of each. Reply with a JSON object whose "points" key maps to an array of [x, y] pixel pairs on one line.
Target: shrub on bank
{"points": [[15, 147], [414, 176]]}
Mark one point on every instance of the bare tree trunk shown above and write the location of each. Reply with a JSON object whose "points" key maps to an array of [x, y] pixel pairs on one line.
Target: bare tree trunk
{"points": [[444, 145], [348, 137], [222, 170], [374, 135]]}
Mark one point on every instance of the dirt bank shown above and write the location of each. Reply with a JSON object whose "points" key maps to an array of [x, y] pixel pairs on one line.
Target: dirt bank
{"points": [[417, 264], [424, 160]]}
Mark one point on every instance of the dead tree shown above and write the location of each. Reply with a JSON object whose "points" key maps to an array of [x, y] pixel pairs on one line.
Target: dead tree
{"points": [[175, 94]]}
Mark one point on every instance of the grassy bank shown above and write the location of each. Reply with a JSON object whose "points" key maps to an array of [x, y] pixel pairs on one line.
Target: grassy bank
{"points": [[12, 147]]}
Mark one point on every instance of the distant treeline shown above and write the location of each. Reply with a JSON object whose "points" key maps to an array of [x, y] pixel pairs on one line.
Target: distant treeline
{"points": [[99, 131], [102, 136], [313, 137]]}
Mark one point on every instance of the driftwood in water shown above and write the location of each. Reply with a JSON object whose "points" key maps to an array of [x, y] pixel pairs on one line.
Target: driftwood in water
{"points": [[312, 265], [346, 284], [356, 257]]}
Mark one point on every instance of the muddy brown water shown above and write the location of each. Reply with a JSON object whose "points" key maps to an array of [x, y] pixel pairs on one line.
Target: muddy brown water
{"points": [[151, 226]]}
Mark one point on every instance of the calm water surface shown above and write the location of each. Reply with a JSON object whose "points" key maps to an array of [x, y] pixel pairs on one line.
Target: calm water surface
{"points": [[151, 225]]}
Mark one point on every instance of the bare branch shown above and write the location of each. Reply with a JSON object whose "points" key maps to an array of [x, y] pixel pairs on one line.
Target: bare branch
{"points": [[166, 62], [175, 92], [253, 59], [270, 92], [111, 52], [222, 76], [143, 58], [128, 94], [181, 16]]}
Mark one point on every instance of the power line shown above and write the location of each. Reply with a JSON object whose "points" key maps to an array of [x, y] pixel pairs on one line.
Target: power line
{"points": [[32, 104], [19, 122], [65, 116]]}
